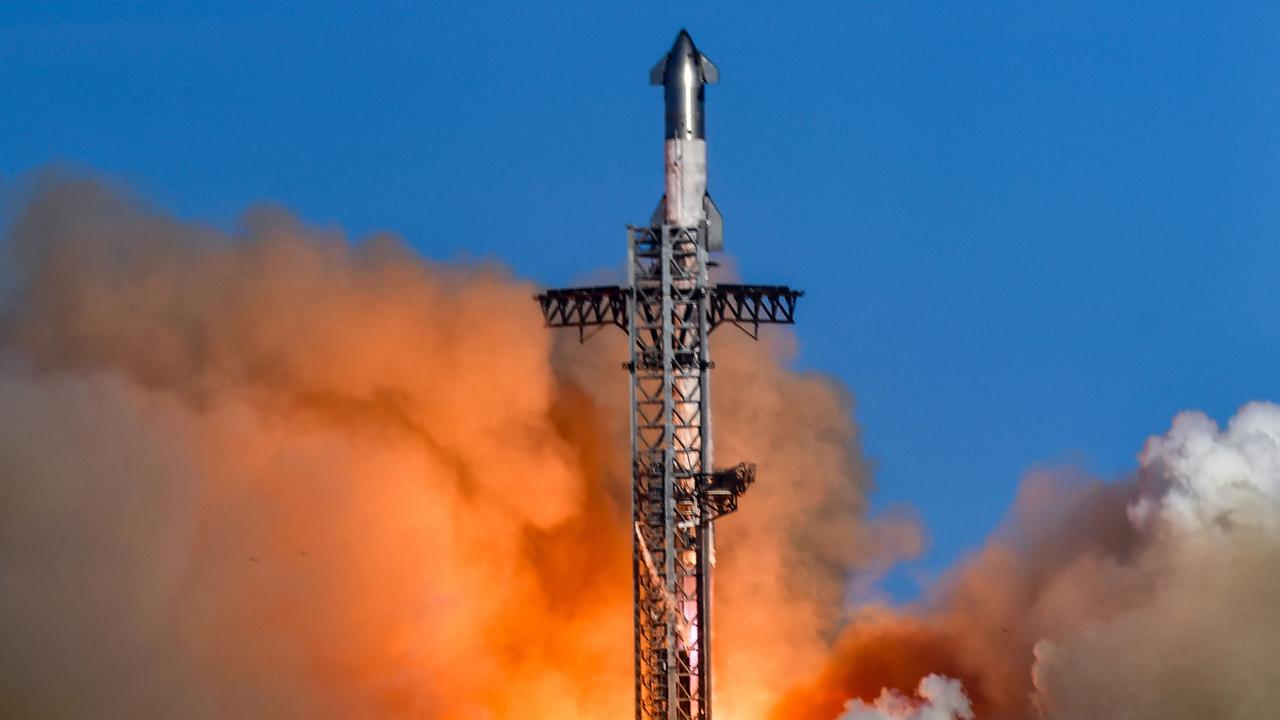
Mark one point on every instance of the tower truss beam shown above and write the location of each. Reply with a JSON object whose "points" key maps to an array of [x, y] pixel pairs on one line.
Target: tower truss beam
{"points": [[584, 308], [750, 306], [744, 306]]}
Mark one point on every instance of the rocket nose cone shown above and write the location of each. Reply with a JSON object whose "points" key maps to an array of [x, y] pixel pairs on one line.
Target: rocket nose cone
{"points": [[683, 44]]}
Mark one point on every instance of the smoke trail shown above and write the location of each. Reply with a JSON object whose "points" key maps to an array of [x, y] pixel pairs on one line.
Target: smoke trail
{"points": [[277, 474], [1149, 599]]}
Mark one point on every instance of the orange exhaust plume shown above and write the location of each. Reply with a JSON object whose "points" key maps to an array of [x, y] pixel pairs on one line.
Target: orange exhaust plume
{"points": [[273, 473]]}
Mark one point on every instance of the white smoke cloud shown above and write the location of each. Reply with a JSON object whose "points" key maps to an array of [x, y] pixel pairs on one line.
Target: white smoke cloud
{"points": [[1211, 480], [1200, 640], [1150, 598], [937, 698]]}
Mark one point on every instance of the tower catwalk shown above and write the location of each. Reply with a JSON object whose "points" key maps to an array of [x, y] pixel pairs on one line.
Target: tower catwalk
{"points": [[669, 308]]}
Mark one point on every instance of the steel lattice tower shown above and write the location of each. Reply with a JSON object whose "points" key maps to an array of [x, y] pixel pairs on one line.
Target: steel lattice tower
{"points": [[669, 309]]}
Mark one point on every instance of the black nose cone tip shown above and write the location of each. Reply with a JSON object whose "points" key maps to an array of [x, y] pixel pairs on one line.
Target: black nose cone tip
{"points": [[683, 44]]}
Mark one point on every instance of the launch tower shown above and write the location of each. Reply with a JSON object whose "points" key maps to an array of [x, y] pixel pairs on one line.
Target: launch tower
{"points": [[669, 308]]}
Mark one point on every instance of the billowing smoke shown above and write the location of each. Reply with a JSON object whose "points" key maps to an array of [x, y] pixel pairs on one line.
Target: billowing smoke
{"points": [[937, 698], [1150, 599], [276, 473]]}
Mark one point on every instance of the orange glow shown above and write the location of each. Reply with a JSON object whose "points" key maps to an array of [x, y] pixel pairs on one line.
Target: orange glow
{"points": [[342, 482]]}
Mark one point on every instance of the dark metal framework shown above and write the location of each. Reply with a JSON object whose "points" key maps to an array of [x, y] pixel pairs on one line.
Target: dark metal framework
{"points": [[669, 310], [746, 307], [583, 308]]}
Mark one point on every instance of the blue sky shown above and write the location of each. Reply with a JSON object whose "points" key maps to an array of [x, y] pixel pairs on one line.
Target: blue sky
{"points": [[1030, 232]]}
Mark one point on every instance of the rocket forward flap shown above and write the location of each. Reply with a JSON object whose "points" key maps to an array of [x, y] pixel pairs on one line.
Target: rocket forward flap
{"points": [[658, 74], [710, 73]]}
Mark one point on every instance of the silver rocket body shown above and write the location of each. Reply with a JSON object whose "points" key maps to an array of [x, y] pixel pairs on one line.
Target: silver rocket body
{"points": [[683, 74]]}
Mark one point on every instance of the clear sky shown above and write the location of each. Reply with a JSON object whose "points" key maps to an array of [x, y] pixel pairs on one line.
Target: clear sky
{"points": [[1030, 232]]}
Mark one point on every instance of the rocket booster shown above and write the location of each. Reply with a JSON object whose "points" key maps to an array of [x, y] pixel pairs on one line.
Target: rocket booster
{"points": [[683, 73]]}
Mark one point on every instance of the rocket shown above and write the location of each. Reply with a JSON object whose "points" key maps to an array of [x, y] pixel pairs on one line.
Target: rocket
{"points": [[668, 309], [683, 74]]}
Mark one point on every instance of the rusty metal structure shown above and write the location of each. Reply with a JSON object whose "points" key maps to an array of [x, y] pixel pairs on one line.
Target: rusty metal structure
{"points": [[669, 309]]}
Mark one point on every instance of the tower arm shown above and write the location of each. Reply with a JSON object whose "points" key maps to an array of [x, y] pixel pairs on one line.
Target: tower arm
{"points": [[750, 306], [583, 308], [721, 489]]}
